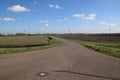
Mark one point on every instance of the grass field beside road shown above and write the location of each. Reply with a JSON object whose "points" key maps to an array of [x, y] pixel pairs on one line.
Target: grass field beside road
{"points": [[30, 43], [112, 49], [22, 41]]}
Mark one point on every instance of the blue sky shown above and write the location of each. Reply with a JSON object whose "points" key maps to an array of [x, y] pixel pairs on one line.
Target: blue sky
{"points": [[59, 16]]}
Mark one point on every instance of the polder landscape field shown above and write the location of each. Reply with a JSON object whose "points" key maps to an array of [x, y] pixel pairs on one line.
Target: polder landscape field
{"points": [[14, 44], [69, 61], [105, 43]]}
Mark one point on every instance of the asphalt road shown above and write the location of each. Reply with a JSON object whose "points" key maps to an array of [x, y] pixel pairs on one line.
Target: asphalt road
{"points": [[70, 61]]}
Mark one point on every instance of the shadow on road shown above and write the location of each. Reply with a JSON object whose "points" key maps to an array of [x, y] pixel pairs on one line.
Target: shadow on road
{"points": [[85, 74]]}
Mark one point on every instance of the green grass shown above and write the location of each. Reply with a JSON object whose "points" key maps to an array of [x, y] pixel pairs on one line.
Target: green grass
{"points": [[18, 41], [112, 49], [51, 43]]}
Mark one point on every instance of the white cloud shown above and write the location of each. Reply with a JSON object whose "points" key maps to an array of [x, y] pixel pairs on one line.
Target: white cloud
{"points": [[65, 19], [55, 6], [111, 24], [58, 20], [42, 29], [107, 24], [18, 8], [102, 22], [90, 17], [7, 19], [51, 6], [61, 20], [44, 21], [78, 15], [45, 25]]}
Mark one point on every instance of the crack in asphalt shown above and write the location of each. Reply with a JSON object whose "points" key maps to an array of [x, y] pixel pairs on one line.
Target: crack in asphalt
{"points": [[85, 74]]}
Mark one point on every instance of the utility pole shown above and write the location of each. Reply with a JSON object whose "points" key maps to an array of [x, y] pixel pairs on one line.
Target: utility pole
{"points": [[109, 29], [25, 33], [69, 30]]}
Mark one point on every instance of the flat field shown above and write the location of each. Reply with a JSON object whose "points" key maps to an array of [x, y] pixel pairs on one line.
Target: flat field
{"points": [[112, 38], [17, 44], [105, 43], [22, 41]]}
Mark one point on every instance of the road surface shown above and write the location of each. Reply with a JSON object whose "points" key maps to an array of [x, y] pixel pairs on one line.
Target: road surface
{"points": [[70, 61]]}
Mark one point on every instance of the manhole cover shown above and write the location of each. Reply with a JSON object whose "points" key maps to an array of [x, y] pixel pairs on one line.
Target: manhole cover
{"points": [[43, 74]]}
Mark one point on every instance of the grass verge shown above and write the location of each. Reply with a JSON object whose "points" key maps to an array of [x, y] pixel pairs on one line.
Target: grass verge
{"points": [[52, 43], [22, 41], [112, 49]]}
